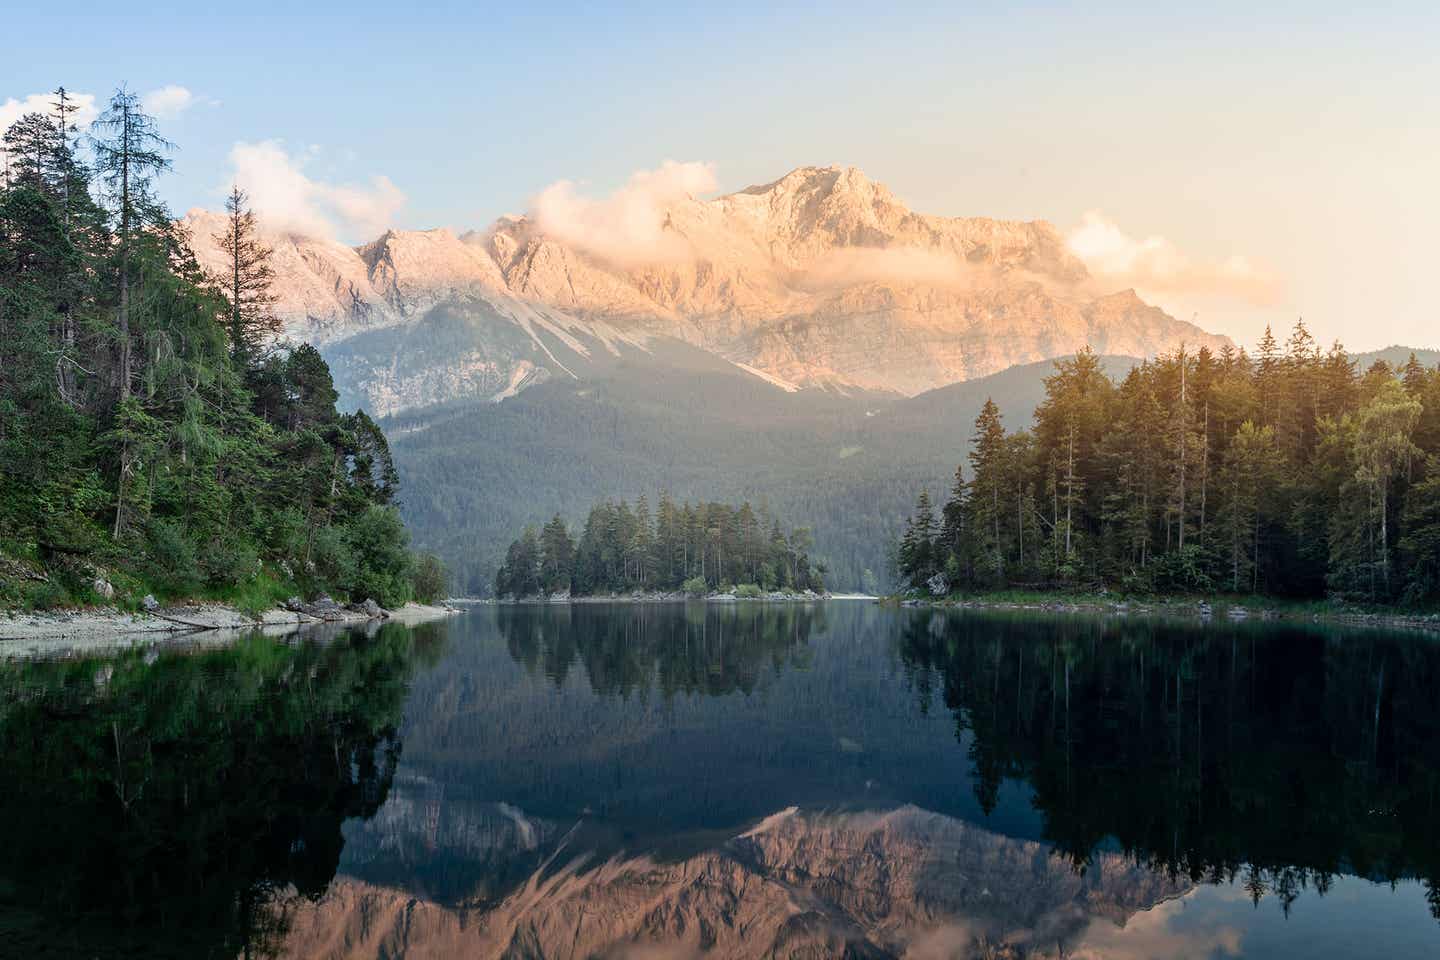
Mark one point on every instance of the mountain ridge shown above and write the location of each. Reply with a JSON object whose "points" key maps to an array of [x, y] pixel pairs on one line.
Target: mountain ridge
{"points": [[819, 278]]}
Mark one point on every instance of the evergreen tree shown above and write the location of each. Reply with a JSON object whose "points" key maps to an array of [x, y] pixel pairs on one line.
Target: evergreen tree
{"points": [[123, 412], [557, 556], [129, 152], [952, 548], [1248, 484], [1292, 474], [987, 481], [251, 320]]}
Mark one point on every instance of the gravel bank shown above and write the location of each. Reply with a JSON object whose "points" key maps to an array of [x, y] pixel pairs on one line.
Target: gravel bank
{"points": [[61, 632]]}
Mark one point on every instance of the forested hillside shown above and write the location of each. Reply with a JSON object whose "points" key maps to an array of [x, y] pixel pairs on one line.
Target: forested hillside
{"points": [[1291, 472], [697, 548], [150, 440], [679, 421], [685, 424]]}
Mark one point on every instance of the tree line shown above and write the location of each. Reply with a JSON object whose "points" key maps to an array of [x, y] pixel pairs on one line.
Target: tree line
{"points": [[152, 436], [697, 548], [1289, 472]]}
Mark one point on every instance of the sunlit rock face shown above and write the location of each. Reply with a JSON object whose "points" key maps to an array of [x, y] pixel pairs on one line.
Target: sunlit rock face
{"points": [[906, 882], [821, 278]]}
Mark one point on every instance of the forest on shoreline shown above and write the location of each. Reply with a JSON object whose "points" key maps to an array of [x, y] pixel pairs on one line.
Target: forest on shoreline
{"points": [[153, 437], [695, 549], [1289, 473]]}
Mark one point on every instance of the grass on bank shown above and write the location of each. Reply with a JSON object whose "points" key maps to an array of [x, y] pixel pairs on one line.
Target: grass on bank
{"points": [[27, 585]]}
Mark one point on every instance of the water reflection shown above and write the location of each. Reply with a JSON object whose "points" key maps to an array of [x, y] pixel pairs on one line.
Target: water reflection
{"points": [[154, 804], [750, 780], [1272, 756], [691, 648]]}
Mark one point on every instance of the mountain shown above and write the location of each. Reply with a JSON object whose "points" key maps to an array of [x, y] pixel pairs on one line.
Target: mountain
{"points": [[895, 883], [1397, 356], [820, 279]]}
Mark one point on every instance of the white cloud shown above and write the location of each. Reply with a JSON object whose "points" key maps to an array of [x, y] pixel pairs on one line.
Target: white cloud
{"points": [[170, 100], [289, 200], [12, 109], [1156, 266], [628, 225]]}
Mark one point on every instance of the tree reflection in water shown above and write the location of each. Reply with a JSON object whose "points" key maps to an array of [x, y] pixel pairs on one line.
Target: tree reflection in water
{"points": [[628, 647], [1278, 757], [154, 804]]}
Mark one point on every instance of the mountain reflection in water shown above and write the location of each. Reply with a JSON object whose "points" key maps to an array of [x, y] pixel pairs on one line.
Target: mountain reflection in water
{"points": [[733, 781]]}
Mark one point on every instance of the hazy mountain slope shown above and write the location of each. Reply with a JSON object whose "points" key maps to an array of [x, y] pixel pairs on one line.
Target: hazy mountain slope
{"points": [[678, 419], [821, 278], [1397, 356]]}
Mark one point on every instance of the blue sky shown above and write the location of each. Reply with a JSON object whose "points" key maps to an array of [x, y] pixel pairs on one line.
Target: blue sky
{"points": [[1299, 139]]}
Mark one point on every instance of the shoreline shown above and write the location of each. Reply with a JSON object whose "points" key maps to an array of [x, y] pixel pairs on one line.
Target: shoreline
{"points": [[94, 629], [1185, 609], [670, 597]]}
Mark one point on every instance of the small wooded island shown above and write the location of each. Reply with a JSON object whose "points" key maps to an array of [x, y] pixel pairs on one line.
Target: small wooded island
{"points": [[685, 549], [1289, 474], [154, 440]]}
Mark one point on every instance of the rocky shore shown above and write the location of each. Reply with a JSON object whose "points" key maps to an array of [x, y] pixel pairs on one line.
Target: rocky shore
{"points": [[64, 631]]}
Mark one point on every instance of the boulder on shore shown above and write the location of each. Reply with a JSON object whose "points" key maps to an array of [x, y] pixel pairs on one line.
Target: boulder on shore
{"points": [[326, 608]]}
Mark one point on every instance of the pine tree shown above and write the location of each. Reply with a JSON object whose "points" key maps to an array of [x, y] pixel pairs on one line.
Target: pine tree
{"points": [[251, 320], [129, 152], [1382, 449], [557, 556], [1248, 483], [920, 564], [951, 546], [987, 511]]}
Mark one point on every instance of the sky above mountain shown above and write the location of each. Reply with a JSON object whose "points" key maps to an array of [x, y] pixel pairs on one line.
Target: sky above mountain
{"points": [[1242, 165]]}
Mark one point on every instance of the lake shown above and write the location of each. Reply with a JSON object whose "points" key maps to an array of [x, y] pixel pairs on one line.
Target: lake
{"points": [[739, 780]]}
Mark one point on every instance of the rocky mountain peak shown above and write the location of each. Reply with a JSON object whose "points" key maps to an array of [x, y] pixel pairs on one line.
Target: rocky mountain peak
{"points": [[822, 277]]}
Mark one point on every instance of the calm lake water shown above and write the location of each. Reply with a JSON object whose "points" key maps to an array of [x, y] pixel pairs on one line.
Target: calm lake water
{"points": [[748, 780]]}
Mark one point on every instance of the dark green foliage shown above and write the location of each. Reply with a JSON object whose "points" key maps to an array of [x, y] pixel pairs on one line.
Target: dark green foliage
{"points": [[1290, 474], [623, 549], [430, 582], [137, 442], [383, 566], [192, 791]]}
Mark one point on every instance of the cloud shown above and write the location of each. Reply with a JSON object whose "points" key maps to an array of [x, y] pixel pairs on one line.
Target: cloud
{"points": [[12, 109], [1156, 266], [172, 100], [288, 200], [629, 224]]}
